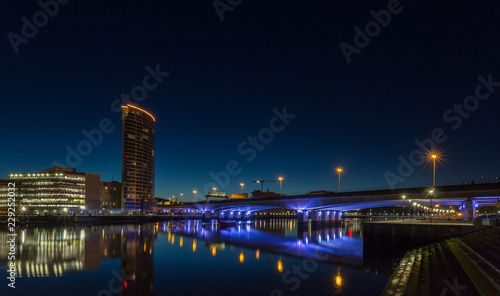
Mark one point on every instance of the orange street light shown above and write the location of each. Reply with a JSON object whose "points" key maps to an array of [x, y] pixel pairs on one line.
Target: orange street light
{"points": [[433, 157], [281, 180], [339, 170]]}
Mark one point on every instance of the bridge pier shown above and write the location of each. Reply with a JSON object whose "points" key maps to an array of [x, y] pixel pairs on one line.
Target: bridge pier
{"points": [[468, 210], [302, 220], [315, 219], [207, 216], [336, 217], [328, 217]]}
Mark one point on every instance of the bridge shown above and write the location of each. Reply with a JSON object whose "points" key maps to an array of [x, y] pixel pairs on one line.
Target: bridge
{"points": [[466, 197]]}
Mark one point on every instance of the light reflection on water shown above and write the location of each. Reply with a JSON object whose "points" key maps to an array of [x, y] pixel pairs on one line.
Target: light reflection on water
{"points": [[192, 258]]}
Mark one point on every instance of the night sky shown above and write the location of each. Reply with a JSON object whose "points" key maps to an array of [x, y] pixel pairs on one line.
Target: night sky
{"points": [[226, 77]]}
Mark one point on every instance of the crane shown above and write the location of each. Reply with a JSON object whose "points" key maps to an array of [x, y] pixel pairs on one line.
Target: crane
{"points": [[277, 180]]}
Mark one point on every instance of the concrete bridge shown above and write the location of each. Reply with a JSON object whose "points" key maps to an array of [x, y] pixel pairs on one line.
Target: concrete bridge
{"points": [[467, 197]]}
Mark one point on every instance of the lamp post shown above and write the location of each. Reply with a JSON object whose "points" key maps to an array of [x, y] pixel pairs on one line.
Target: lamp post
{"points": [[404, 196], [339, 170], [281, 180], [414, 210], [431, 193], [182, 195], [434, 156], [194, 192], [497, 207], [242, 184]]}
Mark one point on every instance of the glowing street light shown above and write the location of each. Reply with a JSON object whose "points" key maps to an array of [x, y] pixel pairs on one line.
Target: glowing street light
{"points": [[23, 208], [182, 195], [433, 157], [242, 184], [403, 197], [194, 192], [281, 180], [339, 170]]}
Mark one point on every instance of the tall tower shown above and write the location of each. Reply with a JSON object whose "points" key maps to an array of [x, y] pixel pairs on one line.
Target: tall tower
{"points": [[138, 158]]}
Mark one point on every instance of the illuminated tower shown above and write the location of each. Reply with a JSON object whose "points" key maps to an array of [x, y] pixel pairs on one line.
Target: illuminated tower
{"points": [[138, 158]]}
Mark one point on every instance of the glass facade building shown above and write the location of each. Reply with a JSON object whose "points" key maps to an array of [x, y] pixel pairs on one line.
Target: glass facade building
{"points": [[48, 191], [138, 158]]}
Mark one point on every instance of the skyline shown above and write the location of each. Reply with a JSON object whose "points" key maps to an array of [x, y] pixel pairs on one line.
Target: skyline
{"points": [[228, 79]]}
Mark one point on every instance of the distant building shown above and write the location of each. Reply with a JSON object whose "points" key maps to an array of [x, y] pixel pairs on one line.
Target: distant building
{"points": [[318, 192], [111, 195], [138, 158], [162, 204], [51, 190], [57, 188], [260, 194], [240, 196]]}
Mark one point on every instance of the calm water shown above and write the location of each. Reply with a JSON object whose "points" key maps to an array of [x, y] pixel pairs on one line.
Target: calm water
{"points": [[192, 258]]}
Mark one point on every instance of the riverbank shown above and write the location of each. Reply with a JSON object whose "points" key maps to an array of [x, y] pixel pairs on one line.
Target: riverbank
{"points": [[467, 263]]}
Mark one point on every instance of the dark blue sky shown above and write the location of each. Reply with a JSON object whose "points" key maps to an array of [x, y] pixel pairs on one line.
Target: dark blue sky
{"points": [[227, 76]]}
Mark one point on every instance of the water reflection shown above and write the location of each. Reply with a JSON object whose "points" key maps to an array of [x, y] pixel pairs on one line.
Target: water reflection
{"points": [[63, 251], [55, 252], [280, 237]]}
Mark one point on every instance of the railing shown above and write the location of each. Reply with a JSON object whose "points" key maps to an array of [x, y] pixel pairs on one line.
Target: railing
{"points": [[402, 187]]}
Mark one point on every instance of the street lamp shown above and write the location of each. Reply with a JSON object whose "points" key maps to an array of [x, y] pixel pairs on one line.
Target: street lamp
{"points": [[242, 184], [431, 193], [182, 195], [194, 192], [339, 170], [213, 189], [404, 196], [434, 156], [414, 210], [281, 180]]}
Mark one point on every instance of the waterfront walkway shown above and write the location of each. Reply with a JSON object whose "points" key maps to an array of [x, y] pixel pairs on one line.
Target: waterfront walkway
{"points": [[465, 265]]}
